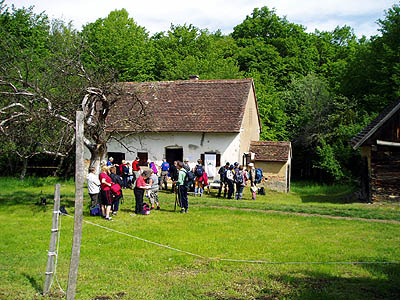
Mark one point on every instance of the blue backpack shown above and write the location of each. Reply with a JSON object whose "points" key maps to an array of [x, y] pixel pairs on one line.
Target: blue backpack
{"points": [[189, 178], [259, 175], [95, 210]]}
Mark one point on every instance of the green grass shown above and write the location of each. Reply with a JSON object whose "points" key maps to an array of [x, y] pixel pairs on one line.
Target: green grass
{"points": [[114, 266]]}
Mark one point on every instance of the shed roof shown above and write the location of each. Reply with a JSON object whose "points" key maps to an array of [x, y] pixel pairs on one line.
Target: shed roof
{"points": [[375, 124], [271, 150], [187, 105]]}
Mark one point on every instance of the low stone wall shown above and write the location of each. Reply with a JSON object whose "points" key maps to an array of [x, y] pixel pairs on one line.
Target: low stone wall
{"points": [[275, 183]]}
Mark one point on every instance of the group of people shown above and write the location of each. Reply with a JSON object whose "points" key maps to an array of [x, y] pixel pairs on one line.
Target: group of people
{"points": [[235, 177], [106, 189]]}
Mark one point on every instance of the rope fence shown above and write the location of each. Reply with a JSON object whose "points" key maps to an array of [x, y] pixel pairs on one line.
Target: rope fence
{"points": [[238, 260]]}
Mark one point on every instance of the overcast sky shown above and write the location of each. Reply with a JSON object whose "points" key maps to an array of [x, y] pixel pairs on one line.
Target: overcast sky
{"points": [[158, 15]]}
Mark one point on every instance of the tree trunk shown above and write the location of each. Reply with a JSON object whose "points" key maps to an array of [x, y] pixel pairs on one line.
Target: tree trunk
{"points": [[97, 156], [24, 168]]}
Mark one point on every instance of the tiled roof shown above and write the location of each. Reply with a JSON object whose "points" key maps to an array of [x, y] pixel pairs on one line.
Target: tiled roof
{"points": [[186, 106], [271, 151], [375, 124]]}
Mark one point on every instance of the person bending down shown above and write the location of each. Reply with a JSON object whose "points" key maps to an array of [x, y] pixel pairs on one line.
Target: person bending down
{"points": [[140, 187]]}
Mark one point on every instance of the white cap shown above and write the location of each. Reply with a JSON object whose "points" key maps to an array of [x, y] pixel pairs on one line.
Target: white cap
{"points": [[251, 165]]}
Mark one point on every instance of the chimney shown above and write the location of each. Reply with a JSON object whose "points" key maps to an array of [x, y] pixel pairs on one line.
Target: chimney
{"points": [[194, 77]]}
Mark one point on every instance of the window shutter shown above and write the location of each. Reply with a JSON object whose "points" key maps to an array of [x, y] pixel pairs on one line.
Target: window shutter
{"points": [[218, 159]]}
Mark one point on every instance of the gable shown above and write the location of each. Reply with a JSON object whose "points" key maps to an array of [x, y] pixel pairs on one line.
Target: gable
{"points": [[186, 106]]}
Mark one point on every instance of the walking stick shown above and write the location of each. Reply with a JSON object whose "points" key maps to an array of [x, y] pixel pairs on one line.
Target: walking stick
{"points": [[176, 197]]}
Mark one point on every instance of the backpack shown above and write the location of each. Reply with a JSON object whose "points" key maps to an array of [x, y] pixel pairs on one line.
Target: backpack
{"points": [[261, 191], [198, 171], [239, 177], [95, 210], [229, 175], [222, 173], [146, 209], [116, 189], [259, 175], [189, 178]]}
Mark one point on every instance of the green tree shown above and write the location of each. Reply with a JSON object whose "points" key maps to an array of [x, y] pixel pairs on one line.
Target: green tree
{"points": [[186, 50], [121, 45]]}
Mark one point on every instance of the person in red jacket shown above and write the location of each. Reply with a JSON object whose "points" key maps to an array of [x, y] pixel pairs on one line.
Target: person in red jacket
{"points": [[106, 196], [135, 170]]}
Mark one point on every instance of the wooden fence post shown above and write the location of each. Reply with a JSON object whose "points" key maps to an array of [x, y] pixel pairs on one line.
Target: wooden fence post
{"points": [[53, 241], [78, 218]]}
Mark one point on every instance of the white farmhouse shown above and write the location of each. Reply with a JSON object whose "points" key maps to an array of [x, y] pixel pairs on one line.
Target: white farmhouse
{"points": [[215, 120]]}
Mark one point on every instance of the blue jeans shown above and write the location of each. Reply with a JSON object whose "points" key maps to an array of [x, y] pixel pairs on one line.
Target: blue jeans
{"points": [[239, 191]]}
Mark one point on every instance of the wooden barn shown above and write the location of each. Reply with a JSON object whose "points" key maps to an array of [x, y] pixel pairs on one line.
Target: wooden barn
{"points": [[379, 144]]}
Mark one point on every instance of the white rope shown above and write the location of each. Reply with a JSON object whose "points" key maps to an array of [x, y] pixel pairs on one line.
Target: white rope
{"points": [[58, 247], [241, 260]]}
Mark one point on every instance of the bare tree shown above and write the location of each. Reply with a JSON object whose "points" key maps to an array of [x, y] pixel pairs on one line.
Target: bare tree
{"points": [[41, 90]]}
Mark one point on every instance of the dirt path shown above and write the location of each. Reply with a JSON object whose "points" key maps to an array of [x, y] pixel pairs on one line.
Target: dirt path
{"points": [[305, 214]]}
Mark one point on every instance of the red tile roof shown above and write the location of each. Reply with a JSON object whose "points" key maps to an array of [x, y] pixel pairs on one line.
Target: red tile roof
{"points": [[270, 151], [186, 106]]}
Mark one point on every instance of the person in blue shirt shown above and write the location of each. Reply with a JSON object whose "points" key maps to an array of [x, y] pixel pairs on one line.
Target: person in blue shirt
{"points": [[164, 173]]}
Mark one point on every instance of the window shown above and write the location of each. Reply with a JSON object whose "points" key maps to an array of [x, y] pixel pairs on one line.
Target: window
{"points": [[218, 158], [143, 156]]}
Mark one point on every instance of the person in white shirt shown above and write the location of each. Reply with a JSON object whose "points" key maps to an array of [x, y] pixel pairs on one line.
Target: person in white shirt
{"points": [[93, 184]]}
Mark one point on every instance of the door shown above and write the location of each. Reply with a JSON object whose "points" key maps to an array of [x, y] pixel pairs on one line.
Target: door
{"points": [[172, 154], [118, 157]]}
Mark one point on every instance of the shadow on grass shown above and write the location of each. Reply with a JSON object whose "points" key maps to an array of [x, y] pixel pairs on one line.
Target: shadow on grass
{"points": [[32, 200], [33, 283], [384, 284]]}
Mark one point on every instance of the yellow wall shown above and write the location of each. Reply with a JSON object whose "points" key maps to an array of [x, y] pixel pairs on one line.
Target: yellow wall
{"points": [[250, 130], [271, 168]]}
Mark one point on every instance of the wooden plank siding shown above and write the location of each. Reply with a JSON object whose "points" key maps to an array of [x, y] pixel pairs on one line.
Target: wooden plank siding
{"points": [[385, 173]]}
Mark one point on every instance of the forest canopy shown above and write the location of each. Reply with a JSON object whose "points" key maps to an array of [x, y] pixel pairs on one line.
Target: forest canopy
{"points": [[316, 90]]}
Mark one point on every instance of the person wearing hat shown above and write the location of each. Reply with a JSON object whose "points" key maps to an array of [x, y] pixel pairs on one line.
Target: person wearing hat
{"points": [[252, 177], [186, 165]]}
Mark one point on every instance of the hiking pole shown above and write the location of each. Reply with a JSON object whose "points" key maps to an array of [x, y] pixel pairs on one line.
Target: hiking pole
{"points": [[176, 197]]}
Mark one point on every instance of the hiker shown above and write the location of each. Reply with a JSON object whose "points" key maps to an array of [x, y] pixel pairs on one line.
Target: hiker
{"points": [[182, 188], [229, 179], [198, 183], [222, 178], [164, 174], [124, 171], [153, 192], [186, 165], [252, 177], [106, 196], [110, 161], [140, 187], [135, 170], [173, 172], [93, 184], [240, 181], [117, 198]]}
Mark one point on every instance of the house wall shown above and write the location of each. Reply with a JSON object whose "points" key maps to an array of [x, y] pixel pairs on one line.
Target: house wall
{"points": [[275, 174], [250, 129], [193, 144]]}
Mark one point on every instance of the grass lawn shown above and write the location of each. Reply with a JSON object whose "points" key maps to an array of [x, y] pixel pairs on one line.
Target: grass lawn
{"points": [[114, 266]]}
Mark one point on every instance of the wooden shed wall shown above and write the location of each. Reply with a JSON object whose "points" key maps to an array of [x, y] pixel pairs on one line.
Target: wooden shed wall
{"points": [[385, 173]]}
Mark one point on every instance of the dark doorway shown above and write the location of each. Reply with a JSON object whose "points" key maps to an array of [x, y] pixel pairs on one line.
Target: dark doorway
{"points": [[118, 157], [172, 154], [143, 158]]}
